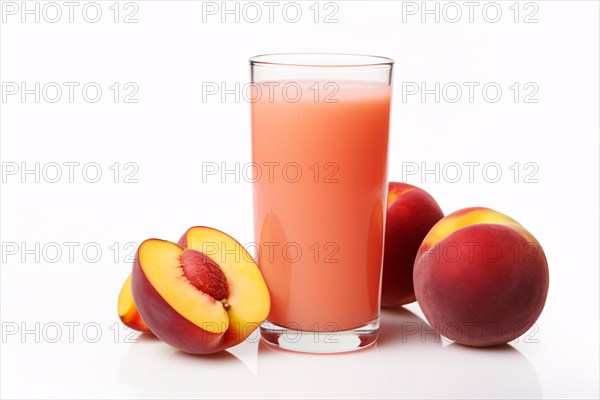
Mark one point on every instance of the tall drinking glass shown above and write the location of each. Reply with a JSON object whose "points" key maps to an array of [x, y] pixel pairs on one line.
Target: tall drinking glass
{"points": [[320, 127]]}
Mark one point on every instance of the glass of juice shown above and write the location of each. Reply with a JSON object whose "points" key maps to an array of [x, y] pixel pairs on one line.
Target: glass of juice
{"points": [[320, 127]]}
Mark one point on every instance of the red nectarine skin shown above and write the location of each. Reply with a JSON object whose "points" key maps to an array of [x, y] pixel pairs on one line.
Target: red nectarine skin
{"points": [[483, 285], [204, 274], [410, 215]]}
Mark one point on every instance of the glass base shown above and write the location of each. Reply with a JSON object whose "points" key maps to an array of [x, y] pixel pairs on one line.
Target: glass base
{"points": [[320, 342]]}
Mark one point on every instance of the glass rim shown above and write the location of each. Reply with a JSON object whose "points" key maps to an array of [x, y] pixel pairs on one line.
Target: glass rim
{"points": [[360, 60]]}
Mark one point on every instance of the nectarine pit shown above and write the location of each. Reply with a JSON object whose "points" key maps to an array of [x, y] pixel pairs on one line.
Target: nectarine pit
{"points": [[205, 275]]}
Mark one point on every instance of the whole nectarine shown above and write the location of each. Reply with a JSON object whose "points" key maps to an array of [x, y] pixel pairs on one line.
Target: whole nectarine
{"points": [[480, 278], [411, 212]]}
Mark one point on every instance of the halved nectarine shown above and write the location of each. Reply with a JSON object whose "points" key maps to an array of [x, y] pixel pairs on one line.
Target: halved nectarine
{"points": [[201, 295], [128, 312]]}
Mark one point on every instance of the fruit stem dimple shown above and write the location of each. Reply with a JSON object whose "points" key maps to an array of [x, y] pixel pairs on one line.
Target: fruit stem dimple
{"points": [[226, 305]]}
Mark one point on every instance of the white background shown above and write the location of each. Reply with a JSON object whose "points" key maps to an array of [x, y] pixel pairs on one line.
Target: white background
{"points": [[170, 55]]}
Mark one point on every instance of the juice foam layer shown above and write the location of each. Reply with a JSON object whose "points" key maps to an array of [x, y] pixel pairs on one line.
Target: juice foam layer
{"points": [[318, 91]]}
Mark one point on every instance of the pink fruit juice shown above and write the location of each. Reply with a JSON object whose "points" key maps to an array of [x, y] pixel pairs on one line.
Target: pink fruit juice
{"points": [[320, 200]]}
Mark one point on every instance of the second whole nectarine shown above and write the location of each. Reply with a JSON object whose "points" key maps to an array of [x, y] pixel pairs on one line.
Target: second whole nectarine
{"points": [[411, 212], [480, 278]]}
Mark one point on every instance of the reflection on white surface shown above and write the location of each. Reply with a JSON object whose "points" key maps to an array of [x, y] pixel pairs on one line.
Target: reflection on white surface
{"points": [[409, 361], [499, 372], [320, 375], [155, 369], [427, 369]]}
